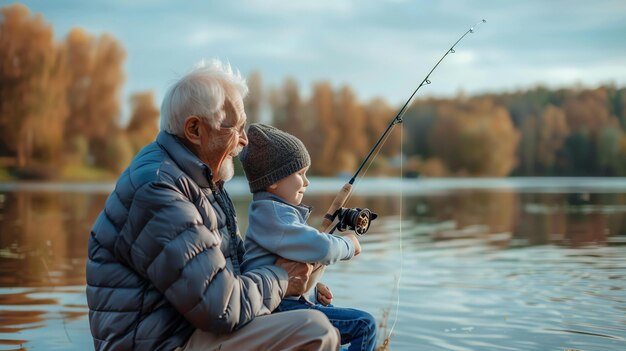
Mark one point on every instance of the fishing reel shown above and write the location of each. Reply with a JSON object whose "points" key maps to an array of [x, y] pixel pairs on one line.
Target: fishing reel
{"points": [[355, 219]]}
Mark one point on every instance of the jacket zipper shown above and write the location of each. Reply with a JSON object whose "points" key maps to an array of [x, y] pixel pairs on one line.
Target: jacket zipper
{"points": [[231, 228]]}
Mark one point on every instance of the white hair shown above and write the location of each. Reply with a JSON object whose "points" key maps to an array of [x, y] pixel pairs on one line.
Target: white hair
{"points": [[201, 93]]}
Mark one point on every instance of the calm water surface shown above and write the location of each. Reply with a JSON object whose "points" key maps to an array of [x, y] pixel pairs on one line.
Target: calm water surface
{"points": [[529, 264]]}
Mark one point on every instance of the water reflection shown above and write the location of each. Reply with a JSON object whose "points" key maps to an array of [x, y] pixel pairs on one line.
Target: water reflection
{"points": [[44, 236], [506, 218], [484, 268], [42, 256]]}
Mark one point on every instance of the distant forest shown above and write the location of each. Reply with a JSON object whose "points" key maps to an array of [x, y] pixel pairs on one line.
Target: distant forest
{"points": [[60, 118]]}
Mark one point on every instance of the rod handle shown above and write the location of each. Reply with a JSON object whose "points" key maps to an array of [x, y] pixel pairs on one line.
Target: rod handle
{"points": [[339, 201]]}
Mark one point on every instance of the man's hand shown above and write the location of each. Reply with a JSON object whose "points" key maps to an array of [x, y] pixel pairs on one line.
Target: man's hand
{"points": [[298, 272], [324, 295], [355, 241]]}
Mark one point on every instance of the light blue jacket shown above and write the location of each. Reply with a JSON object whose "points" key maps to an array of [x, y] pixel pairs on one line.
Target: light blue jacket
{"points": [[277, 228]]}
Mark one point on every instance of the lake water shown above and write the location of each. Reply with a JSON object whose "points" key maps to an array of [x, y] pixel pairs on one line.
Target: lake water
{"points": [[461, 264]]}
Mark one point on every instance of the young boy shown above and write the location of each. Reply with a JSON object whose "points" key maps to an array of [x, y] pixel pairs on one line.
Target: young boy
{"points": [[275, 164]]}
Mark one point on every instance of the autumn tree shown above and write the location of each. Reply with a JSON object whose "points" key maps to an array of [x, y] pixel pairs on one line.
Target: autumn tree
{"points": [[78, 48], [32, 87], [542, 138], [143, 126], [378, 116], [589, 110], [551, 134], [286, 102], [254, 100], [350, 121], [323, 107], [97, 76], [475, 138], [591, 148], [80, 53]]}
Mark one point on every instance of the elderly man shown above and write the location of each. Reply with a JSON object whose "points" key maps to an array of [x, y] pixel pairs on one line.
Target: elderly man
{"points": [[165, 253]]}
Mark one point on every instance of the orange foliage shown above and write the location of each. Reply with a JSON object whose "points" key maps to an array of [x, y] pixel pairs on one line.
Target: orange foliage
{"points": [[254, 100], [60, 103], [33, 76], [143, 127], [379, 115], [323, 107], [588, 110], [476, 138]]}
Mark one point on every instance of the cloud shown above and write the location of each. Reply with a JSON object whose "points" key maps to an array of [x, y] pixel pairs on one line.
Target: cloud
{"points": [[307, 8], [463, 58], [205, 35], [377, 47]]}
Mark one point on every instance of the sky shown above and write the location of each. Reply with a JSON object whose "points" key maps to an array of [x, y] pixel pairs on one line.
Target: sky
{"points": [[380, 48]]}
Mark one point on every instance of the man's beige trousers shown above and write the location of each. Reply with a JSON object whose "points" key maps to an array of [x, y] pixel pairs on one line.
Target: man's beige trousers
{"points": [[291, 330]]}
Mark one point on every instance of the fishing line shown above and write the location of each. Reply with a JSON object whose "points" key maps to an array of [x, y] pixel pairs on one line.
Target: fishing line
{"points": [[371, 162], [401, 244], [397, 119], [346, 191]]}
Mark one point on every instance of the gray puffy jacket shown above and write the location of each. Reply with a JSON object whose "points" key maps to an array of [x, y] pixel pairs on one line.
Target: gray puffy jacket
{"points": [[165, 254]]}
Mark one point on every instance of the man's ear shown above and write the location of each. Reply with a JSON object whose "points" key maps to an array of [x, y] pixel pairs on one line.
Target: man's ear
{"points": [[193, 130], [273, 186]]}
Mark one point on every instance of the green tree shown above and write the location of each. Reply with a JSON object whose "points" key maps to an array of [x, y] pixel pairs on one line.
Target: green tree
{"points": [[578, 155], [418, 122], [117, 152], [611, 160], [528, 146]]}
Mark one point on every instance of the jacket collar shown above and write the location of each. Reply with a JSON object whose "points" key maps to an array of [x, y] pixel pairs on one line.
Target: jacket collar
{"points": [[304, 210], [186, 160]]}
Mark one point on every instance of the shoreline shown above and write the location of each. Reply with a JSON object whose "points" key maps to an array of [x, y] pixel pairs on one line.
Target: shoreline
{"points": [[373, 186]]}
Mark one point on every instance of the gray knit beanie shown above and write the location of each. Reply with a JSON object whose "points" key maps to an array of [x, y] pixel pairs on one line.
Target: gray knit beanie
{"points": [[271, 155]]}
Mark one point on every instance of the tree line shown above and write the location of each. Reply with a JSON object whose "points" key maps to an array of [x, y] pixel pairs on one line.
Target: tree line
{"points": [[60, 104], [60, 110], [538, 132]]}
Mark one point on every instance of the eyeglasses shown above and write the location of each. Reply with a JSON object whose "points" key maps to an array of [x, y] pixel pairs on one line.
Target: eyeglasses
{"points": [[239, 130]]}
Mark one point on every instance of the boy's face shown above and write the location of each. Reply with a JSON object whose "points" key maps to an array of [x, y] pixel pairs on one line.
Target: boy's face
{"points": [[292, 188]]}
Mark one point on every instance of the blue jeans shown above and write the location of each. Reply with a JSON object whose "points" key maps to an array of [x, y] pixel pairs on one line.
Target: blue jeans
{"points": [[356, 327]]}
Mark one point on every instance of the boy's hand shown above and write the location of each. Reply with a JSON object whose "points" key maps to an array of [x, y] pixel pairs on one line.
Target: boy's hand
{"points": [[324, 295], [355, 241]]}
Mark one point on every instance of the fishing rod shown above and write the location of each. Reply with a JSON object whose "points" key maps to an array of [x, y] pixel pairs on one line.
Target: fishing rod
{"points": [[358, 219], [335, 208]]}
